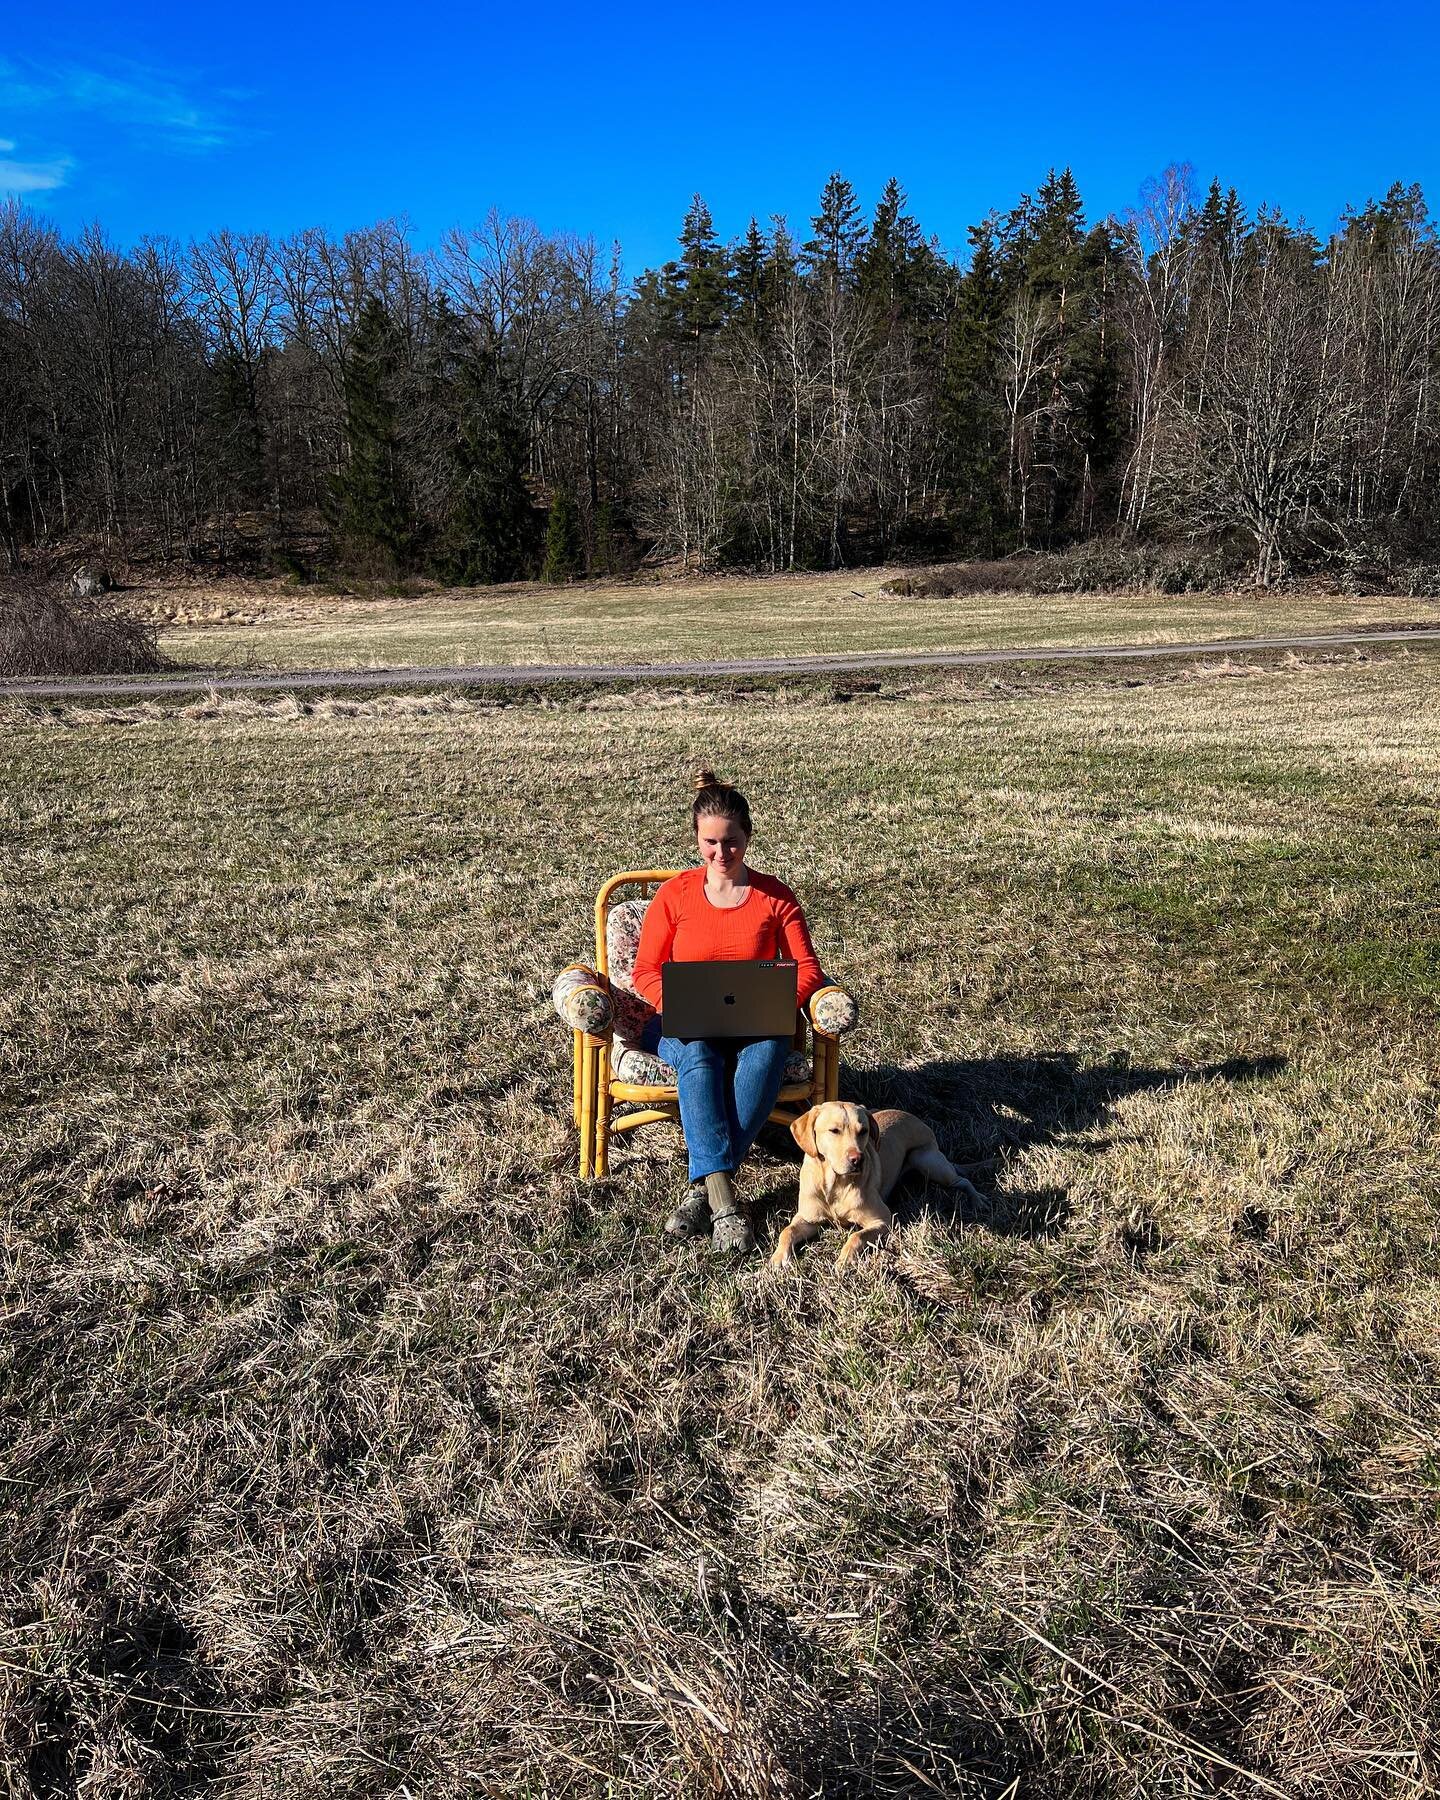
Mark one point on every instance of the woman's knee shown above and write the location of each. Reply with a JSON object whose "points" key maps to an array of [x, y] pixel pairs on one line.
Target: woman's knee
{"points": [[768, 1054], [685, 1054]]}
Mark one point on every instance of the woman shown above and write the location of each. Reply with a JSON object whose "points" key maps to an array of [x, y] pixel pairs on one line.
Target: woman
{"points": [[724, 911]]}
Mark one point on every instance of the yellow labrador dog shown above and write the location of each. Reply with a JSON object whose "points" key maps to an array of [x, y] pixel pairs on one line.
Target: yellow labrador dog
{"points": [[853, 1159]]}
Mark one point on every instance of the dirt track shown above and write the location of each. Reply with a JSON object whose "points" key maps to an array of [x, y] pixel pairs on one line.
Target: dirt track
{"points": [[528, 674]]}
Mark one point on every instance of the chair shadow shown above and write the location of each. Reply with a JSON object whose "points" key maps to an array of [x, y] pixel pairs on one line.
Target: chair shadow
{"points": [[989, 1111]]}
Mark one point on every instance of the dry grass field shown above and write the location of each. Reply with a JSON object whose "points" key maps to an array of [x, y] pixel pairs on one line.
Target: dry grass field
{"points": [[263, 625], [354, 1447]]}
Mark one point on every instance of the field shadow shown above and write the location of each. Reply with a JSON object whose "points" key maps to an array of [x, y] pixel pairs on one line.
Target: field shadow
{"points": [[989, 1111]]}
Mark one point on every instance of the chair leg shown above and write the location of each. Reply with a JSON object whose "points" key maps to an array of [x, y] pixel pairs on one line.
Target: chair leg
{"points": [[602, 1111], [587, 1108], [579, 1061], [820, 1067], [832, 1069]]}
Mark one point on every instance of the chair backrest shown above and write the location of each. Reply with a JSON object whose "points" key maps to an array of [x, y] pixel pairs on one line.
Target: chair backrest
{"points": [[647, 880]]}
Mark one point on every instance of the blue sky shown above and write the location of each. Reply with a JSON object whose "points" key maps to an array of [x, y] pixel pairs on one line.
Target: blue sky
{"points": [[180, 119]]}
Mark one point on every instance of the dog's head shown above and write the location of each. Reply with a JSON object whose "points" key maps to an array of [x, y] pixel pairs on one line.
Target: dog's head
{"points": [[836, 1133]]}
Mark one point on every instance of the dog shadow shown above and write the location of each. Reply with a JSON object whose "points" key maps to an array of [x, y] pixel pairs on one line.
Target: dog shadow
{"points": [[988, 1112]]}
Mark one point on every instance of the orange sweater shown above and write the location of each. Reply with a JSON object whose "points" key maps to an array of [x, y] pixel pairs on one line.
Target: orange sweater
{"points": [[681, 925]]}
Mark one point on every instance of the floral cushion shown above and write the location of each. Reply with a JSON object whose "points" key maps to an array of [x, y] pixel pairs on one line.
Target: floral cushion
{"points": [[622, 945], [833, 1011], [583, 1000], [646, 1070]]}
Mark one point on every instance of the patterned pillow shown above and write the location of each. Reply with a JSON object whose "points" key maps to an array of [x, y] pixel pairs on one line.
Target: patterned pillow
{"points": [[645, 1070], [622, 945], [833, 1011], [581, 1000], [622, 938]]}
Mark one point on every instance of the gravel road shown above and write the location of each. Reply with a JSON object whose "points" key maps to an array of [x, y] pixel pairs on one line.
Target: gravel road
{"points": [[528, 674]]}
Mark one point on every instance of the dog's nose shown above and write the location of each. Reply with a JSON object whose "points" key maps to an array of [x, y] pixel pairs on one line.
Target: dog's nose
{"points": [[855, 1160]]}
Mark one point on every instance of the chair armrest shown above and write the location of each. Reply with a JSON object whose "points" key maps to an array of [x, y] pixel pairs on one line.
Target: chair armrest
{"points": [[583, 1000], [832, 1010]]}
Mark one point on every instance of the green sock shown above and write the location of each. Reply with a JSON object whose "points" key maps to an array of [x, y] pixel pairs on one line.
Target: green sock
{"points": [[722, 1195]]}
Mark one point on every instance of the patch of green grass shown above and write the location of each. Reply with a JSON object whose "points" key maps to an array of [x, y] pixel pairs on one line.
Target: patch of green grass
{"points": [[1412, 970]]}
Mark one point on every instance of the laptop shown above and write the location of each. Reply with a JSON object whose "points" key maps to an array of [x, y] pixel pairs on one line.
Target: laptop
{"points": [[728, 999]]}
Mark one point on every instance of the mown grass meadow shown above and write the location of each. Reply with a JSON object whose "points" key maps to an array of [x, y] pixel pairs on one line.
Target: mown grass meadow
{"points": [[265, 625]]}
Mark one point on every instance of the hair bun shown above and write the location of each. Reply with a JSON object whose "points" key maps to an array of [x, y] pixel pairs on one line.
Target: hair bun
{"points": [[717, 799]]}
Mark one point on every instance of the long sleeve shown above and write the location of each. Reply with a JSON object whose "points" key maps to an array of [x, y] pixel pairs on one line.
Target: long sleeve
{"points": [[795, 942], [657, 940]]}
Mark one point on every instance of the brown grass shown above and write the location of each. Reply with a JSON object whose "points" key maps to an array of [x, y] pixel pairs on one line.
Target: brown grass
{"points": [[266, 625], [356, 1447]]}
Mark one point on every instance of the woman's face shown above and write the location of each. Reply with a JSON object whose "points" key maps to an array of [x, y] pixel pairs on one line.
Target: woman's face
{"points": [[722, 843]]}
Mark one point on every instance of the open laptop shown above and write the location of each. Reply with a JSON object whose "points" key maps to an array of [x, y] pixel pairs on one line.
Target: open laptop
{"points": [[728, 999]]}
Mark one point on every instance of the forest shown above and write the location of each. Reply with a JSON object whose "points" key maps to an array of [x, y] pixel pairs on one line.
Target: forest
{"points": [[508, 404]]}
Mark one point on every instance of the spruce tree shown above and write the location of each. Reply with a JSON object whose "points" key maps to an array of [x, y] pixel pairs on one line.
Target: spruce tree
{"points": [[747, 274], [1058, 227], [971, 413], [695, 284], [239, 434], [372, 519], [781, 265], [829, 257], [1056, 270], [1220, 227], [490, 531], [563, 555], [607, 557], [703, 263], [887, 267]]}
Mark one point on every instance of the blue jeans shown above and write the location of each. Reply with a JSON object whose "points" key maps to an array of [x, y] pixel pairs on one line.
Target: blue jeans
{"points": [[728, 1088]]}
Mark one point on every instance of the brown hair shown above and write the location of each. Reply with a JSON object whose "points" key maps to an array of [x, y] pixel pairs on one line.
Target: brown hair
{"points": [[719, 800]]}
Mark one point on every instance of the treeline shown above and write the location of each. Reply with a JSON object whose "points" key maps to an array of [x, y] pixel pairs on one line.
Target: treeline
{"points": [[506, 405]]}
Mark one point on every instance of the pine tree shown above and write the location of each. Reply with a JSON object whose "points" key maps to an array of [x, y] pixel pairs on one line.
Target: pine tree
{"points": [[373, 523], [563, 555]]}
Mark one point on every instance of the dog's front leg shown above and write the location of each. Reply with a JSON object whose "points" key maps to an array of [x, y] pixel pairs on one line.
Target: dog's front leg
{"points": [[868, 1233], [799, 1231]]}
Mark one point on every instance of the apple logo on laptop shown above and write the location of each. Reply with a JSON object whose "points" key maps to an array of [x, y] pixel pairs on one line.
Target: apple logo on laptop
{"points": [[729, 999]]}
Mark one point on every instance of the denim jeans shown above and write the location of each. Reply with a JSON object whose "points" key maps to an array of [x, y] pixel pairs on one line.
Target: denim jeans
{"points": [[728, 1088]]}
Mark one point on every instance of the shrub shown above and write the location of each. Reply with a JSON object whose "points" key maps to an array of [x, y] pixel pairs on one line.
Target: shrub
{"points": [[47, 631], [1101, 566]]}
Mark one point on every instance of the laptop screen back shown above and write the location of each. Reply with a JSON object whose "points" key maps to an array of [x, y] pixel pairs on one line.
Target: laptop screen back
{"points": [[728, 999]]}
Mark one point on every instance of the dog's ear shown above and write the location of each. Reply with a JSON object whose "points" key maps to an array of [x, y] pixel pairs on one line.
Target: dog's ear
{"points": [[803, 1131], [863, 1120]]}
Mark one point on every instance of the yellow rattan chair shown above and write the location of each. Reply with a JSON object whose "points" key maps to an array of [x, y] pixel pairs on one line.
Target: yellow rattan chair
{"points": [[597, 1090]]}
